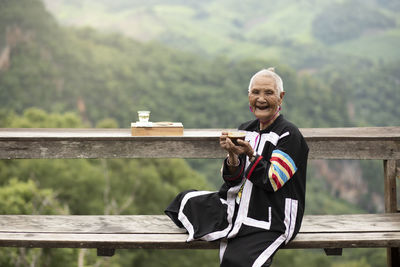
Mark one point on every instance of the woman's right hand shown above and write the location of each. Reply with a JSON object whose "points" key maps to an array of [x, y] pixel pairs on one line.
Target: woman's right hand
{"points": [[227, 144]]}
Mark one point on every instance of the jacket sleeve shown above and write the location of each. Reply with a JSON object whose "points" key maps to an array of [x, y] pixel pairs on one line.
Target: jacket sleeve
{"points": [[235, 178], [272, 171]]}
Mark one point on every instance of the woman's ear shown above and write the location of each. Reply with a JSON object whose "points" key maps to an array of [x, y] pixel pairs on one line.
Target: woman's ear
{"points": [[281, 95]]}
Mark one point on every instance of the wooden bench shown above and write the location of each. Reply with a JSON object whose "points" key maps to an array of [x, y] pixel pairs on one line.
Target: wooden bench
{"points": [[107, 233]]}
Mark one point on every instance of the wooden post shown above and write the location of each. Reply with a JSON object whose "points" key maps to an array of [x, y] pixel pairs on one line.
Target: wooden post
{"points": [[333, 251], [389, 167], [105, 252]]}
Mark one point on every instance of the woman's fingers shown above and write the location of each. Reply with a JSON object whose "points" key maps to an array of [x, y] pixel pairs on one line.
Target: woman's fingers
{"points": [[227, 144], [245, 146]]}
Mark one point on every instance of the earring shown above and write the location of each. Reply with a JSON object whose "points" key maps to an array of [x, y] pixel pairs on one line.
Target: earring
{"points": [[251, 109]]}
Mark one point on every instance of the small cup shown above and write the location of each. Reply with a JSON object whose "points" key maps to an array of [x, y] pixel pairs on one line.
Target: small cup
{"points": [[234, 136], [144, 115]]}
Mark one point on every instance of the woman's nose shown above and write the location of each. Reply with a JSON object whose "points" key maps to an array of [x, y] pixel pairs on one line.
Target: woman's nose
{"points": [[262, 99]]}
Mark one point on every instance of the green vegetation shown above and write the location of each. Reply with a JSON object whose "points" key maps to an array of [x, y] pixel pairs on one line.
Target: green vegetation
{"points": [[348, 20], [120, 186], [60, 76], [241, 30]]}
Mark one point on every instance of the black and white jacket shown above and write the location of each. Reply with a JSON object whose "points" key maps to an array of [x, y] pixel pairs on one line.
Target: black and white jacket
{"points": [[259, 208]]}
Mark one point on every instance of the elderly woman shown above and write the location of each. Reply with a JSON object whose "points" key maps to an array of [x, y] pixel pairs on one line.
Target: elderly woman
{"points": [[260, 205]]}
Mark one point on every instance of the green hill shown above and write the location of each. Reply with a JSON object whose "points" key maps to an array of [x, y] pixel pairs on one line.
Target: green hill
{"points": [[339, 43], [109, 75], [266, 29]]}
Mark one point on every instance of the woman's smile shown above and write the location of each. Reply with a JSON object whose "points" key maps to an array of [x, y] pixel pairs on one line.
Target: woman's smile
{"points": [[262, 107]]}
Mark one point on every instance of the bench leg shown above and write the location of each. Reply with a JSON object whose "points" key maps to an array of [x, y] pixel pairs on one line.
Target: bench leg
{"points": [[390, 173], [333, 251], [393, 257], [106, 252]]}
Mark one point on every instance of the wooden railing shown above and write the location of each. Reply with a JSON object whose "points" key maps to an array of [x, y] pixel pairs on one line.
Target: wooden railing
{"points": [[329, 232]]}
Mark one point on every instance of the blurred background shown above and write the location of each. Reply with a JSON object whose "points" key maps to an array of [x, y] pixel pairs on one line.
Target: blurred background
{"points": [[94, 63]]}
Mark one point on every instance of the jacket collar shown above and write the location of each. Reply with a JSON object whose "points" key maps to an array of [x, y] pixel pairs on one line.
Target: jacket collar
{"points": [[255, 125]]}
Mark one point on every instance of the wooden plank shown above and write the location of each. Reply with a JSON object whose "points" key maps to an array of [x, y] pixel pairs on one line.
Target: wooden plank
{"points": [[321, 134], [80, 224], [178, 241], [190, 148], [351, 223], [155, 224], [354, 149], [327, 143], [346, 240], [157, 231]]}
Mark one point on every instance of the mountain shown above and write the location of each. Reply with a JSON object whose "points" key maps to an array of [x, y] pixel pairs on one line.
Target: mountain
{"points": [[350, 46], [305, 34], [104, 75]]}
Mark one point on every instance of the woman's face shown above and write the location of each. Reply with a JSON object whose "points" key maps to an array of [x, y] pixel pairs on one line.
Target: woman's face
{"points": [[264, 98]]}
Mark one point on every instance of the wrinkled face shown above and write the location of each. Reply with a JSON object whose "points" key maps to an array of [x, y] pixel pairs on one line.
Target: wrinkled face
{"points": [[264, 98]]}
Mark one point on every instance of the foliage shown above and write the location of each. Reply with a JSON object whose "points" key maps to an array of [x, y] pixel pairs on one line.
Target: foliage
{"points": [[26, 198], [348, 20], [103, 76], [116, 186], [282, 30], [17, 197], [371, 91]]}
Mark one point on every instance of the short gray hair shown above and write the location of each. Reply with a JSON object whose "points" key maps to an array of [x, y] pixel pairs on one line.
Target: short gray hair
{"points": [[270, 72]]}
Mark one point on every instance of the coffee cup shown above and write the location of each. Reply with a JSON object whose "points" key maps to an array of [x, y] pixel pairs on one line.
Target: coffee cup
{"points": [[234, 136]]}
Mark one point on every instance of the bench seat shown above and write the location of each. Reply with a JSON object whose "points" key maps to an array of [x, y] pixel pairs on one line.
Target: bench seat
{"points": [[107, 233]]}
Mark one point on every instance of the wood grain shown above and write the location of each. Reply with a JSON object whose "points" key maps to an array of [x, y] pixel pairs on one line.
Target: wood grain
{"points": [[325, 143], [158, 129], [389, 168], [143, 224], [157, 231]]}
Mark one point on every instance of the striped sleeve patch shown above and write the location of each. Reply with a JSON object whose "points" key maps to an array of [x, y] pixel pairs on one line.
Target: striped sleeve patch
{"points": [[281, 170]]}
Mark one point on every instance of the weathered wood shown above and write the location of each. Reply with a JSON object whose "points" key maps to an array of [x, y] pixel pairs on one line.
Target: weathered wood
{"points": [[178, 241], [157, 231], [158, 129], [325, 143], [154, 224], [390, 171], [94, 224], [389, 168]]}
